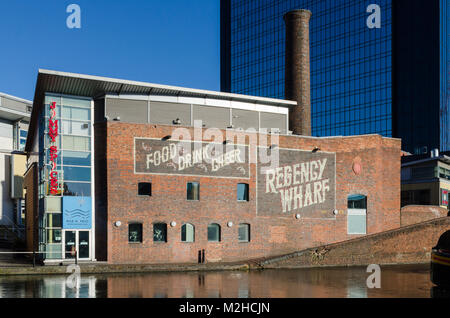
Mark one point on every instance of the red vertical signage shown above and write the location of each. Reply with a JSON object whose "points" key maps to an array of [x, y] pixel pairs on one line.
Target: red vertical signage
{"points": [[444, 197], [53, 133]]}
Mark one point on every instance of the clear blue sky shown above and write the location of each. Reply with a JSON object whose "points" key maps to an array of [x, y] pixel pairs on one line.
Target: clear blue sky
{"points": [[173, 42]]}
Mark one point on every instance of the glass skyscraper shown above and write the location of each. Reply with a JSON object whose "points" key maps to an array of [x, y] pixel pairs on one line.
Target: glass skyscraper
{"points": [[391, 80]]}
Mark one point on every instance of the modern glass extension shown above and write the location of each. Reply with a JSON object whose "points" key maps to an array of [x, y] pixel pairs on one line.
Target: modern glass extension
{"points": [[65, 178]]}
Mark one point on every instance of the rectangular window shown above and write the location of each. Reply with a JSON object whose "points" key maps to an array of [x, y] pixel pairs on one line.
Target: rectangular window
{"points": [[76, 143], [187, 233], [77, 189], [75, 113], [54, 236], [160, 232], [52, 204], [193, 191], [75, 128], [135, 233], [356, 221], [244, 233], [75, 158], [77, 174], [145, 188], [242, 192], [54, 220]]}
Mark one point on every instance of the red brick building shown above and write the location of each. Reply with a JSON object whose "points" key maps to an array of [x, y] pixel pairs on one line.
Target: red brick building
{"points": [[159, 174]]}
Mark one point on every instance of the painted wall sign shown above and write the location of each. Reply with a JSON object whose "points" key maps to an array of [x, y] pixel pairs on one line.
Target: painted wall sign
{"points": [[156, 156], [53, 133], [304, 183], [77, 213]]}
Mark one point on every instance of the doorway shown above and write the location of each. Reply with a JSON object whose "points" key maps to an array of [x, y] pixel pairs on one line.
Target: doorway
{"points": [[79, 241]]}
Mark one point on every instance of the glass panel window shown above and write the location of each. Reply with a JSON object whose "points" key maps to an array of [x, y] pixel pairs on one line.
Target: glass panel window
{"points": [[244, 233], [52, 204], [75, 158], [66, 101], [49, 99], [187, 233], [77, 189], [214, 233], [75, 128], [356, 223], [76, 143], [135, 233], [75, 113], [77, 173], [160, 232], [54, 220], [145, 188], [193, 191], [54, 236], [53, 251], [357, 202], [242, 192]]}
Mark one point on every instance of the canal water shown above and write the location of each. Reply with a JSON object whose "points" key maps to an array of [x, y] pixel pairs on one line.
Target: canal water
{"points": [[396, 281]]}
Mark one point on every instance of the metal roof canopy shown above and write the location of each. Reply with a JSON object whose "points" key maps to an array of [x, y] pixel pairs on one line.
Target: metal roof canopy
{"points": [[95, 86]]}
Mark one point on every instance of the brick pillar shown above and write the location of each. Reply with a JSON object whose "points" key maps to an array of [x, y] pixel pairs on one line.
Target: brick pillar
{"points": [[297, 76]]}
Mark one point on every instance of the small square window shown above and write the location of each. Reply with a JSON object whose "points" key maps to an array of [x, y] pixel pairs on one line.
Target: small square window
{"points": [[135, 233], [242, 192], [145, 188], [193, 191]]}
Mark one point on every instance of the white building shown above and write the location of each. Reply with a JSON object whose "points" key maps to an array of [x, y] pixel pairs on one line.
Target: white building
{"points": [[14, 119]]}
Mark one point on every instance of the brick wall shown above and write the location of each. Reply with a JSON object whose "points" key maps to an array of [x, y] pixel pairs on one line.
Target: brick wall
{"points": [[406, 245], [412, 214], [378, 177], [31, 208]]}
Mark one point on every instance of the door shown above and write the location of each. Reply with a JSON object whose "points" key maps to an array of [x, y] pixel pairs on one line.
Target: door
{"points": [[83, 244], [70, 244], [77, 241]]}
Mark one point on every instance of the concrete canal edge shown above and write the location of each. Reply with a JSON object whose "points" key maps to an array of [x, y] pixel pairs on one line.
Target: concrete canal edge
{"points": [[103, 268]]}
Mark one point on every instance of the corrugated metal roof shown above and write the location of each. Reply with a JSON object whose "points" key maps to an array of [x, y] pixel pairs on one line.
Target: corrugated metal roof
{"points": [[95, 86], [92, 86]]}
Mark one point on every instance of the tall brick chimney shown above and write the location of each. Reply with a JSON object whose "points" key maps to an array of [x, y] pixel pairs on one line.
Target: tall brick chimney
{"points": [[297, 76]]}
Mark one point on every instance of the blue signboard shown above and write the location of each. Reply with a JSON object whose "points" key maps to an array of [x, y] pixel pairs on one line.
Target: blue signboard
{"points": [[77, 213]]}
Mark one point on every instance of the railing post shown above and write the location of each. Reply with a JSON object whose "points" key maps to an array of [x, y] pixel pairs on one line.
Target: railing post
{"points": [[76, 257], [34, 258]]}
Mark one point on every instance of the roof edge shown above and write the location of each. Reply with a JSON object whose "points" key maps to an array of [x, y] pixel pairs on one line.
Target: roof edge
{"points": [[169, 87]]}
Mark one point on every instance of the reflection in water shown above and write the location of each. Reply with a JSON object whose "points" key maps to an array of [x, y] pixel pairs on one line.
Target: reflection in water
{"points": [[396, 281]]}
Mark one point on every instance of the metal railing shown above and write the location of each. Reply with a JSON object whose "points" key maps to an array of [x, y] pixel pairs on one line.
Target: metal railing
{"points": [[34, 255], [15, 229]]}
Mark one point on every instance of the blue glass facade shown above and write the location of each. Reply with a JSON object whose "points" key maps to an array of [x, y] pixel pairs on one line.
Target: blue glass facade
{"points": [[352, 66], [66, 160]]}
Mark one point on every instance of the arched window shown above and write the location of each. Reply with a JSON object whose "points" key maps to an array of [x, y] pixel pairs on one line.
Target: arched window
{"points": [[187, 233], [244, 232], [357, 214], [160, 232], [214, 232]]}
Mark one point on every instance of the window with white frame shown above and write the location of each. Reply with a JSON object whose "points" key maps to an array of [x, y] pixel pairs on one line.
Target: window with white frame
{"points": [[357, 214]]}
